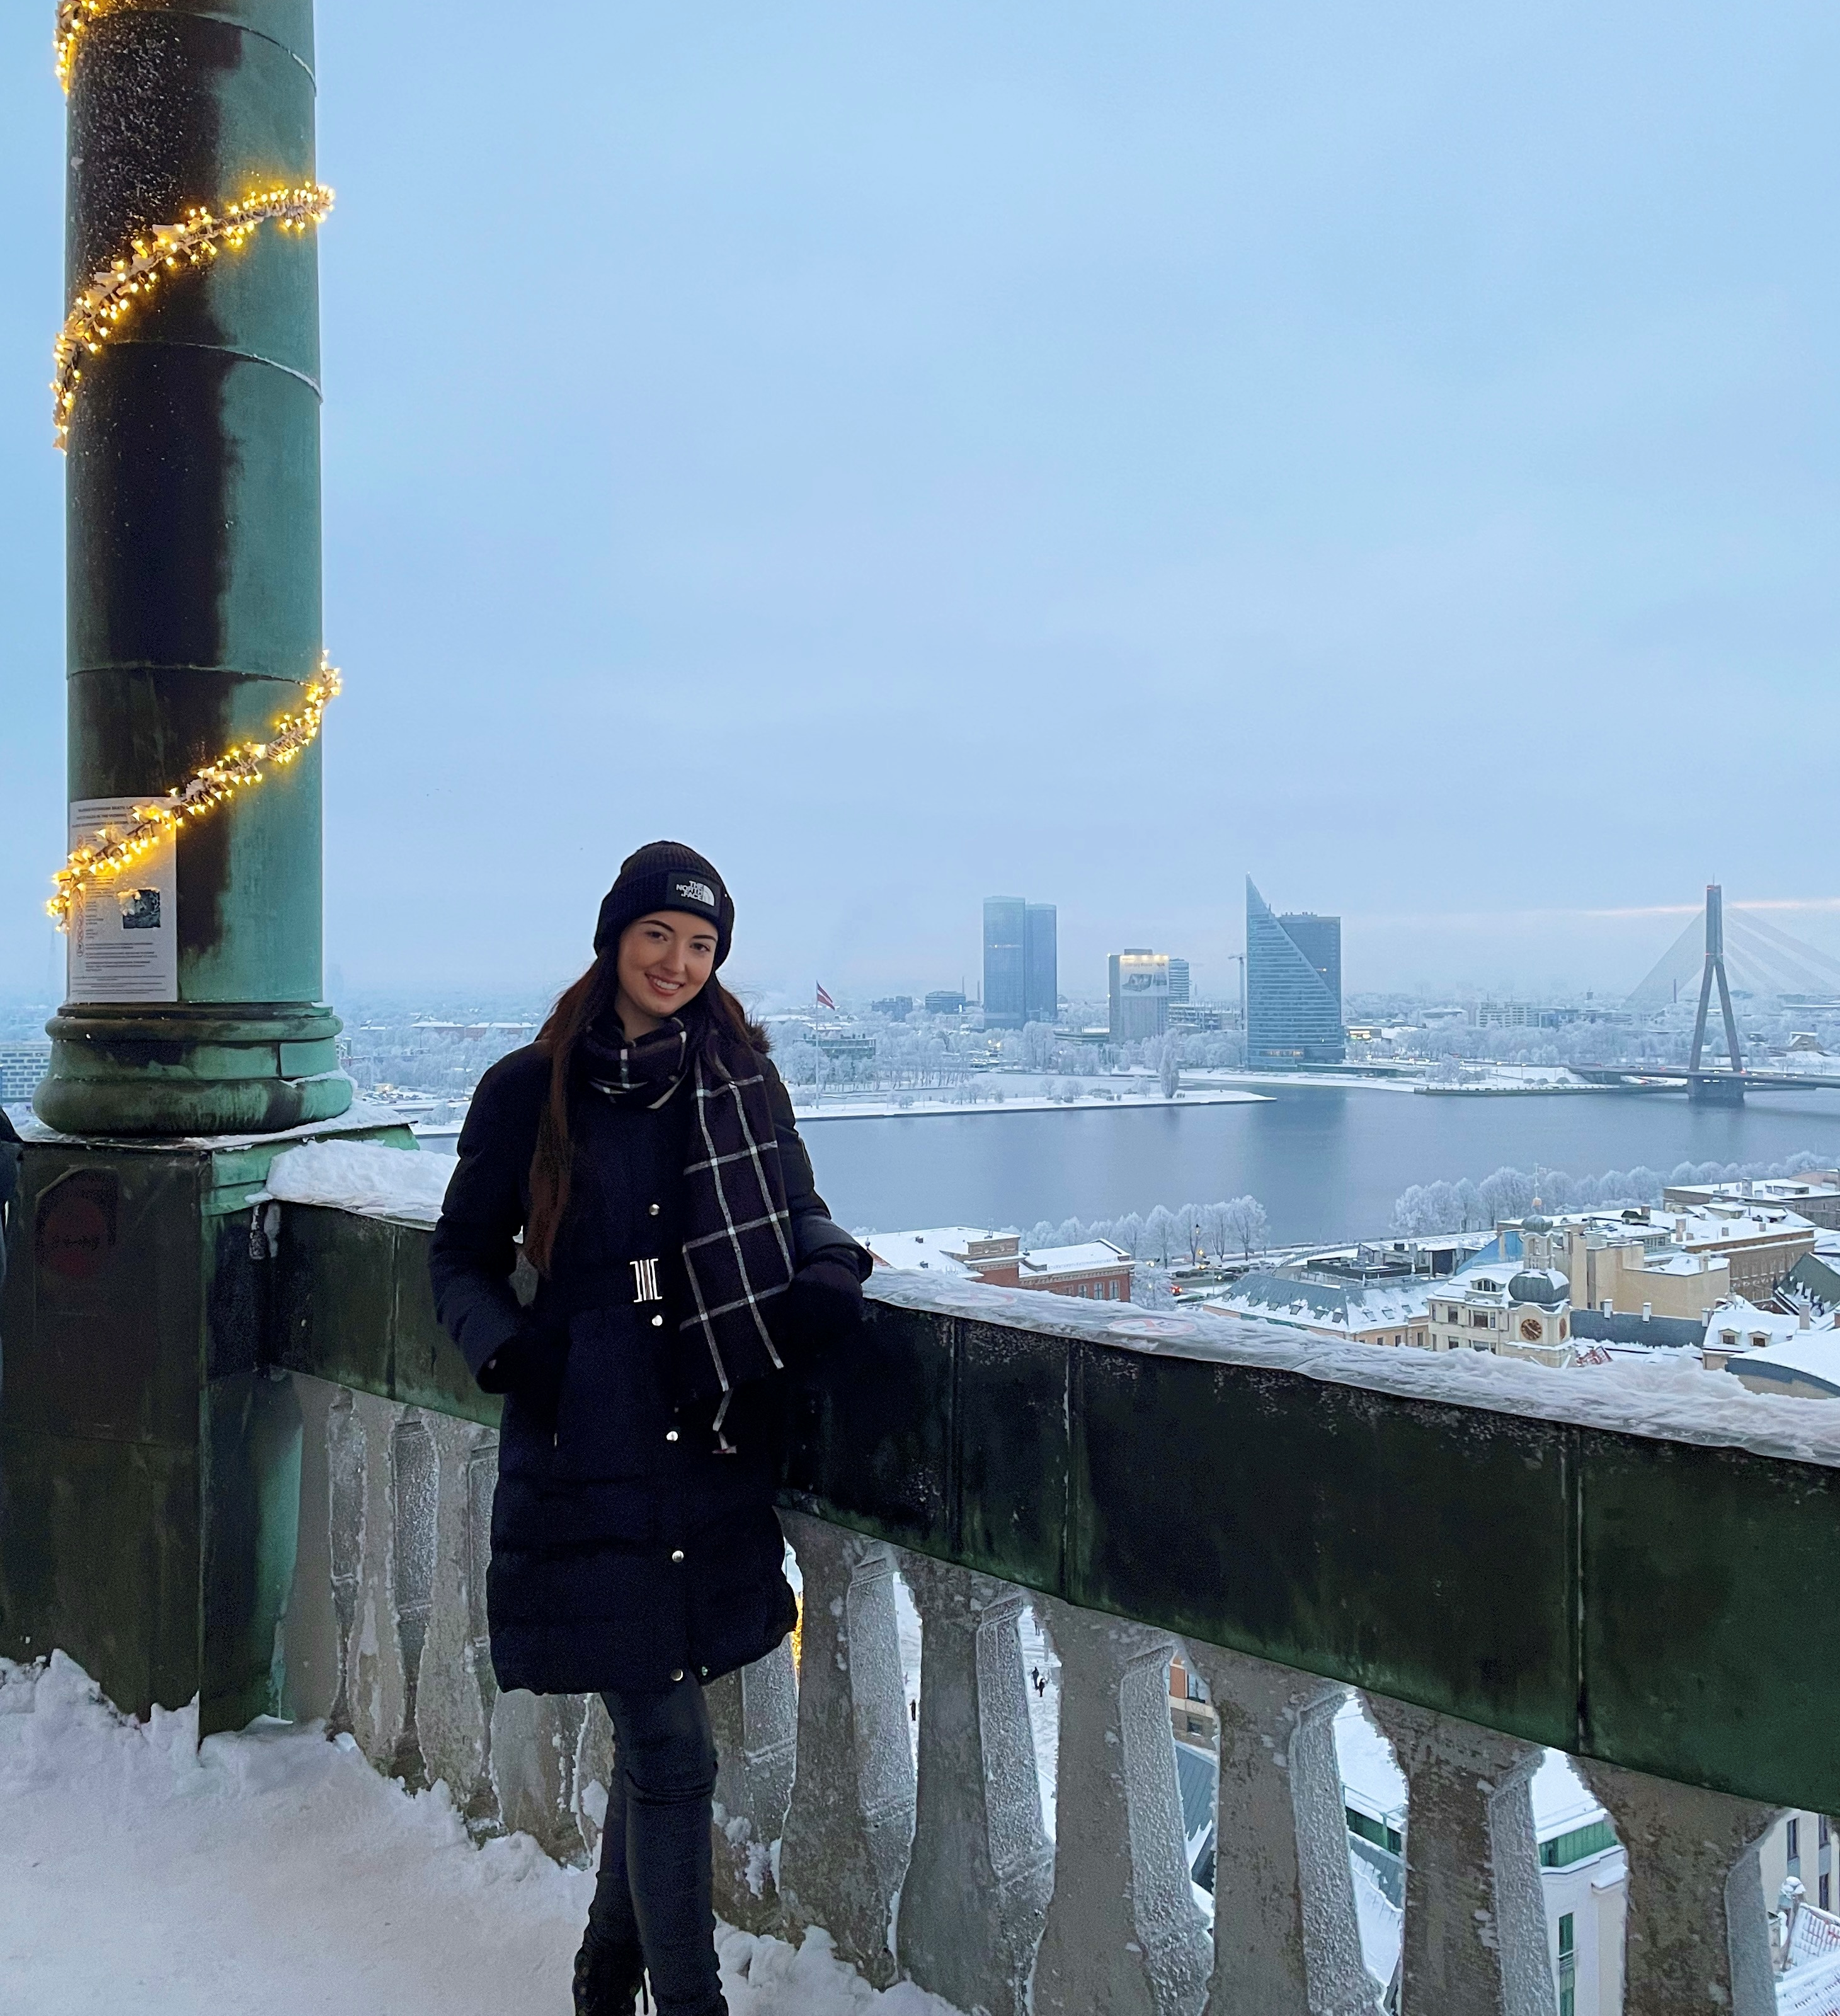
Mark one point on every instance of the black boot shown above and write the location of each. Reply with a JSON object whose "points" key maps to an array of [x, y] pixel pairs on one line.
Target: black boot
{"points": [[608, 1978]]}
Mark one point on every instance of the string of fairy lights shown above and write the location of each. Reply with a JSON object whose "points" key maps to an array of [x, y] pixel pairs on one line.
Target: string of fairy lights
{"points": [[114, 290], [73, 17], [111, 294], [215, 784]]}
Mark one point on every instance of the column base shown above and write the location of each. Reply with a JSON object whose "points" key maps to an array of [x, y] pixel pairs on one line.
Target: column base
{"points": [[135, 1070]]}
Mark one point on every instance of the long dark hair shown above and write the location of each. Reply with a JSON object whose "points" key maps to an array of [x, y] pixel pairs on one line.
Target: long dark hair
{"points": [[720, 1030]]}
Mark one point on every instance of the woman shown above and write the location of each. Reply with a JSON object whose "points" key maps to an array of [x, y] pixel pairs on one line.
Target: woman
{"points": [[645, 1147]]}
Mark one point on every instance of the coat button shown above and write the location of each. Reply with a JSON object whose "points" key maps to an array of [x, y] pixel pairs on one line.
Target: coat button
{"points": [[651, 1211], [657, 1323], [677, 1553], [671, 1435], [677, 1673]]}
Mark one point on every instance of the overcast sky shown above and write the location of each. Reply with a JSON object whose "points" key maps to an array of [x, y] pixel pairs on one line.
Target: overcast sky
{"points": [[921, 452]]}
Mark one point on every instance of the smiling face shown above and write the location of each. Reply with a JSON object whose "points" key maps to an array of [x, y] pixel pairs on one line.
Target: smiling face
{"points": [[664, 960]]}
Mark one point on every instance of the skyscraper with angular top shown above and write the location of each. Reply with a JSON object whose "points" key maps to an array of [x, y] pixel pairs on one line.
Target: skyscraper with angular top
{"points": [[1292, 987]]}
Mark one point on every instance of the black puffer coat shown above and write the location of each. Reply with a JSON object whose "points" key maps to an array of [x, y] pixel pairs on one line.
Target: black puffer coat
{"points": [[626, 1551]]}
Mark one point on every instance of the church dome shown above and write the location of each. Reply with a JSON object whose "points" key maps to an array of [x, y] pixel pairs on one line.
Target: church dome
{"points": [[1541, 1285], [1536, 1223]]}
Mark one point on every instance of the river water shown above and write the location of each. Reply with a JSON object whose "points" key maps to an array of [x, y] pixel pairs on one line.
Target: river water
{"points": [[1326, 1162]]}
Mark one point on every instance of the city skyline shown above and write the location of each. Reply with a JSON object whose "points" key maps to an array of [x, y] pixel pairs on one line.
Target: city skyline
{"points": [[953, 369]]}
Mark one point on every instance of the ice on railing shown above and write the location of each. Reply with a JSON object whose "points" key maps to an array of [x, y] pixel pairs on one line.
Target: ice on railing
{"points": [[369, 1178], [1382, 1923], [1669, 1397]]}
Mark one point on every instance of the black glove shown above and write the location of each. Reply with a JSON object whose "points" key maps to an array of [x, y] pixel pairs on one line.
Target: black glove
{"points": [[822, 1306], [529, 1364]]}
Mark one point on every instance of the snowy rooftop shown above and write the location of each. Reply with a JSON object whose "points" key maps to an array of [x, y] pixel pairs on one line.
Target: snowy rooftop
{"points": [[1710, 1224], [1070, 1259], [1739, 1324], [938, 1249], [1813, 1359], [1769, 1189], [1323, 1305]]}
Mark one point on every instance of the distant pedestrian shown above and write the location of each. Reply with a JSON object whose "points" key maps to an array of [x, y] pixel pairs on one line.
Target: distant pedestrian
{"points": [[1041, 1686], [913, 1711], [645, 1150]]}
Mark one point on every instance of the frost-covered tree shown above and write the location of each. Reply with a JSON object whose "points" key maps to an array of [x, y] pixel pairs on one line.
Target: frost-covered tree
{"points": [[798, 1063], [1247, 1224], [1150, 1289], [1040, 1048], [1188, 1226], [1070, 1232], [1408, 1215], [1507, 1193], [1162, 1241], [1128, 1232], [1169, 1066]]}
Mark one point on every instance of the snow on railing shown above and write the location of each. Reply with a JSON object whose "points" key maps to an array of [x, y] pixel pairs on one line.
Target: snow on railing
{"points": [[920, 1846]]}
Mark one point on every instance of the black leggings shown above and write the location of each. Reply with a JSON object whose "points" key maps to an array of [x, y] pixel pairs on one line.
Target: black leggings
{"points": [[654, 1889]]}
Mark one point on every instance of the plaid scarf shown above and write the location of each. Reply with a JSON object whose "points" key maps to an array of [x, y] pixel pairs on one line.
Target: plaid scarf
{"points": [[737, 1248]]}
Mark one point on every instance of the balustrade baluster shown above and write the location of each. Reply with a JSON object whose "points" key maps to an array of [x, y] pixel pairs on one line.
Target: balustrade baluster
{"points": [[537, 1740], [1474, 1937], [1287, 1940], [850, 1821], [415, 1497], [1697, 1937], [755, 1714], [375, 1687], [346, 1454], [451, 1715], [975, 1893], [1123, 1933], [482, 1474]]}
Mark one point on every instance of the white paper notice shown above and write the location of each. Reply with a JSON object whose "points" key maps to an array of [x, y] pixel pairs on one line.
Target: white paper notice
{"points": [[125, 931]]}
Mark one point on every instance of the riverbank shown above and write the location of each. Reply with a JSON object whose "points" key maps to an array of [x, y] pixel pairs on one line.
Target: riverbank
{"points": [[841, 1106], [1326, 1164]]}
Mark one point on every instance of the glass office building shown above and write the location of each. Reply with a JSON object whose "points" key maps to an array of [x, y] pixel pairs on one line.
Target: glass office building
{"points": [[1041, 965], [1292, 987], [1022, 969]]}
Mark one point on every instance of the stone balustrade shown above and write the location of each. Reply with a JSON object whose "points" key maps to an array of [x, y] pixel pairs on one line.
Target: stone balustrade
{"points": [[942, 1870], [281, 1502]]}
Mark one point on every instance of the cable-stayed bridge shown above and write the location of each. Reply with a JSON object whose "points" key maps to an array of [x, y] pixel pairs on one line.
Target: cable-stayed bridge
{"points": [[1766, 960], [1760, 959]]}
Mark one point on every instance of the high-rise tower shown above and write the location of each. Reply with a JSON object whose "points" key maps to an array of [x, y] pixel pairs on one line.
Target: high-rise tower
{"points": [[1292, 987]]}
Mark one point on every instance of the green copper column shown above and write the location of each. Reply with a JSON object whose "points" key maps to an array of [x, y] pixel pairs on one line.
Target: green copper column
{"points": [[192, 502]]}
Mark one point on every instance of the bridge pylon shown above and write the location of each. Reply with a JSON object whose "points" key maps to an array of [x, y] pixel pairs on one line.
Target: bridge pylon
{"points": [[1717, 1090]]}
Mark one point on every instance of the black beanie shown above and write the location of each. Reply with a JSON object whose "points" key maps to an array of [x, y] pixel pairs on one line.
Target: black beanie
{"points": [[665, 875]]}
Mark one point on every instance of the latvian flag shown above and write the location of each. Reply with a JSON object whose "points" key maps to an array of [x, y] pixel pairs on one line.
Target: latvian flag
{"points": [[824, 1000]]}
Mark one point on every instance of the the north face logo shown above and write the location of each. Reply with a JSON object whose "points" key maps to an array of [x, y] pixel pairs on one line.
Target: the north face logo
{"points": [[695, 892]]}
